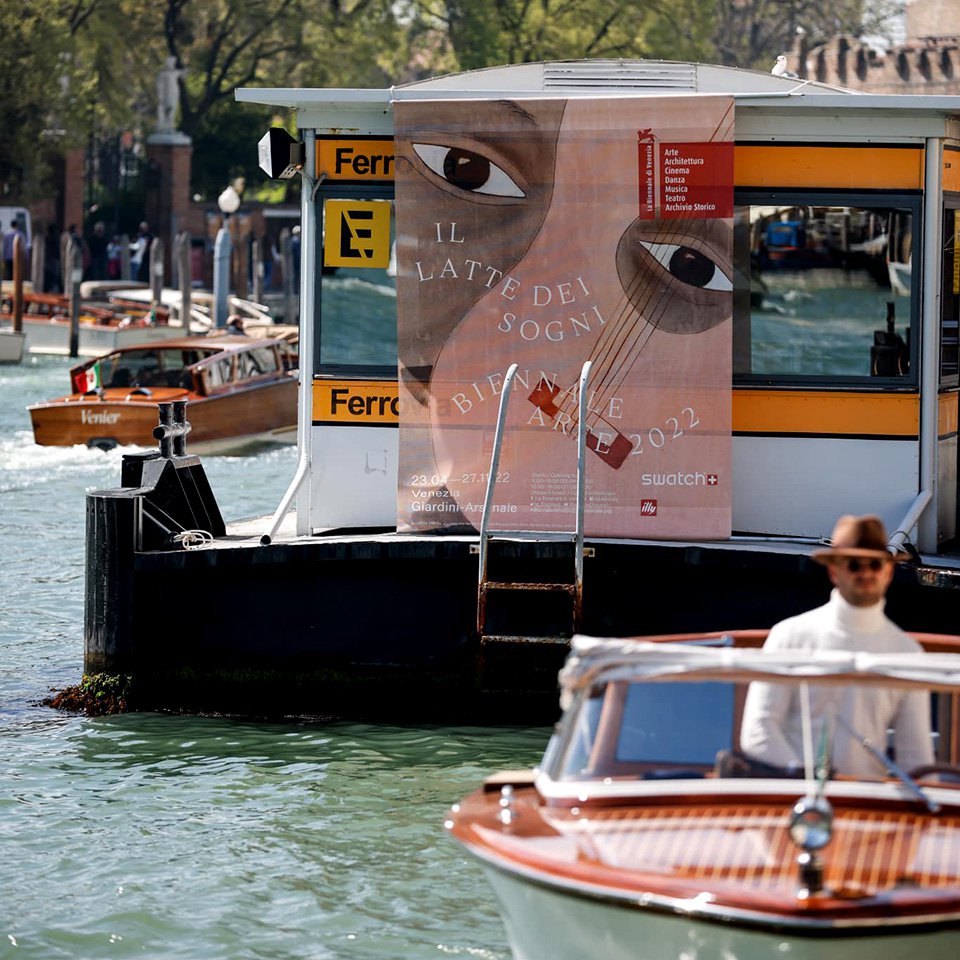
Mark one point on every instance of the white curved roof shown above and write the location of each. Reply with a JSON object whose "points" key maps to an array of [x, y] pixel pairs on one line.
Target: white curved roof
{"points": [[636, 77], [369, 110], [596, 660]]}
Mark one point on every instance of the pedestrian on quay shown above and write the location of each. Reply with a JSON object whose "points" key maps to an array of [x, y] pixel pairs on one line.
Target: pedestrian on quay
{"points": [[51, 260], [140, 253], [9, 239], [97, 245]]}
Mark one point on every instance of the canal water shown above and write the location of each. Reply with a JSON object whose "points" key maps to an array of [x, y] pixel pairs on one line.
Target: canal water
{"points": [[154, 835]]}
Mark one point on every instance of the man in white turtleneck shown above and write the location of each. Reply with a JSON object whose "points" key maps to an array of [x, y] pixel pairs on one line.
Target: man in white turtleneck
{"points": [[860, 567]]}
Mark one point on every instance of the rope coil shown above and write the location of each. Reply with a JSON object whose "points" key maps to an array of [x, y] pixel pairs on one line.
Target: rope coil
{"points": [[193, 539]]}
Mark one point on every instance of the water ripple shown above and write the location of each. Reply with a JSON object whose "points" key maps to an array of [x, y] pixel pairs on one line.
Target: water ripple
{"points": [[161, 836]]}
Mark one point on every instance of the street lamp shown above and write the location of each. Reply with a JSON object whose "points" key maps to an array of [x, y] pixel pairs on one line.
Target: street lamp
{"points": [[228, 202]]}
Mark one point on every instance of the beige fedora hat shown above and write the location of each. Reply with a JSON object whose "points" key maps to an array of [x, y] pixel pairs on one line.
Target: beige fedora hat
{"points": [[858, 537]]}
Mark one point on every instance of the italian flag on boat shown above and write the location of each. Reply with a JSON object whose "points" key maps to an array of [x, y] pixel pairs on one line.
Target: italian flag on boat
{"points": [[87, 380]]}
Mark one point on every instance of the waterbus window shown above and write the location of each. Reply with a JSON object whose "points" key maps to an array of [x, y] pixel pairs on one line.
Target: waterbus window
{"points": [[822, 291], [950, 301], [676, 722], [358, 311]]}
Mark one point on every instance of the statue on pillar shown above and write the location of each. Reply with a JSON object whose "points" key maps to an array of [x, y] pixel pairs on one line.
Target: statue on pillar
{"points": [[168, 95]]}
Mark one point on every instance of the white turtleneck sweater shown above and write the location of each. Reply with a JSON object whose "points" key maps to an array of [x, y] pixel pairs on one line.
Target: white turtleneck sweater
{"points": [[772, 731]]}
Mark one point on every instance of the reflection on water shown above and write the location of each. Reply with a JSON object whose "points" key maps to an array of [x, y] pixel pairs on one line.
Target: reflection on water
{"points": [[829, 290], [818, 329], [359, 318]]}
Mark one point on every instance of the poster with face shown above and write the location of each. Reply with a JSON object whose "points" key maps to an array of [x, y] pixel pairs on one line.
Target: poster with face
{"points": [[548, 233]]}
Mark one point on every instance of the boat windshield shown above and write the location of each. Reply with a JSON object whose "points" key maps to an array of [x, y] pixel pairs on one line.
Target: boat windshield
{"points": [[621, 729], [630, 729], [149, 367]]}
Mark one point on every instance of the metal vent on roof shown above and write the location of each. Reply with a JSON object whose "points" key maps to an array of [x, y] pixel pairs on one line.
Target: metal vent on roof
{"points": [[629, 75]]}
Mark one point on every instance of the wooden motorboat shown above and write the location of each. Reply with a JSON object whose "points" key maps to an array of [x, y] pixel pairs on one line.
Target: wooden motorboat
{"points": [[645, 833], [238, 389]]}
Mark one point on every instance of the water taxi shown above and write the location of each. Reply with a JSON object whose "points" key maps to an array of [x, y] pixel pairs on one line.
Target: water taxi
{"points": [[240, 391], [46, 324], [691, 406], [646, 832]]}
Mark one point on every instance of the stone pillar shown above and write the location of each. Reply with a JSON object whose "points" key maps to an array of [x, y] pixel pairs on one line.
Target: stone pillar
{"points": [[73, 184], [168, 188]]}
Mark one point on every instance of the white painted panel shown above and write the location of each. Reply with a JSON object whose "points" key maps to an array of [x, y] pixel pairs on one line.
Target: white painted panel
{"points": [[354, 478], [799, 486], [781, 486]]}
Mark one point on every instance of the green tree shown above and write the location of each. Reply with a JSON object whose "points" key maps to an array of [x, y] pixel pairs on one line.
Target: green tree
{"points": [[515, 31], [85, 70], [39, 106], [225, 44]]}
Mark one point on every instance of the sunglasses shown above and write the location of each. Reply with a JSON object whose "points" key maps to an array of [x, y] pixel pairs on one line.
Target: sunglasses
{"points": [[856, 564]]}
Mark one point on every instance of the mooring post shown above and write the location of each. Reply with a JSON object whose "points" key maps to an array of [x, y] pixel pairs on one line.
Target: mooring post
{"points": [[184, 277], [19, 256], [125, 256], [114, 519], [38, 264], [156, 270], [75, 274], [173, 429]]}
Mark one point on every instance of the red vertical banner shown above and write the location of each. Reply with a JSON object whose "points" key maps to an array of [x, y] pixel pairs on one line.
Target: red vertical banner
{"points": [[542, 233], [647, 168]]}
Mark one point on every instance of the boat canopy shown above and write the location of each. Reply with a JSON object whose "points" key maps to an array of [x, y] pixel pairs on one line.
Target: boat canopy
{"points": [[596, 661]]}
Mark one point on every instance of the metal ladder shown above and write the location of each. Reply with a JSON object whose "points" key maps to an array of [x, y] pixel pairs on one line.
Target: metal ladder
{"points": [[575, 588]]}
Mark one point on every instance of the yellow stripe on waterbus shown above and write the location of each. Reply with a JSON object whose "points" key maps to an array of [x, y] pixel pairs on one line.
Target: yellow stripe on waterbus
{"points": [[951, 167], [357, 403], [860, 167], [826, 413]]}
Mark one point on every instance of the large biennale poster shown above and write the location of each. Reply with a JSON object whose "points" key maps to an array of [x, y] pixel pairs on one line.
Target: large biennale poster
{"points": [[546, 233]]}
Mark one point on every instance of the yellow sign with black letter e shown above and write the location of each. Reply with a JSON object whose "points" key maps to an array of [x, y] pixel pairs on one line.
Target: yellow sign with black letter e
{"points": [[356, 233]]}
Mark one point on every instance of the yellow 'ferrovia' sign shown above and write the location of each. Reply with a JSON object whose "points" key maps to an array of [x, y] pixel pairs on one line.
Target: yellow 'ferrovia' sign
{"points": [[356, 233], [355, 403], [355, 158]]}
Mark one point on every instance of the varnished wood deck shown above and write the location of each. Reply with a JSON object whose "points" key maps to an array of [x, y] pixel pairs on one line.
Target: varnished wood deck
{"points": [[870, 853]]}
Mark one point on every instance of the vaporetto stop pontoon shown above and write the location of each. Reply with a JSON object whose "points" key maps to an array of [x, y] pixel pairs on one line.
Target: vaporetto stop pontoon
{"points": [[711, 247]]}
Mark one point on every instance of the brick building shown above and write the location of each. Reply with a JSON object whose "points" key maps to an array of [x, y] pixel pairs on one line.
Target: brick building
{"points": [[927, 62]]}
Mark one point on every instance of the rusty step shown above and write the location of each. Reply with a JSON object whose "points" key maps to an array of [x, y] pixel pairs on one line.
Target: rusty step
{"points": [[509, 585], [520, 664], [507, 640]]}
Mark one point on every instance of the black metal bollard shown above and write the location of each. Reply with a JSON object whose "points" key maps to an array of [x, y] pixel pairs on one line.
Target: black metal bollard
{"points": [[173, 429]]}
